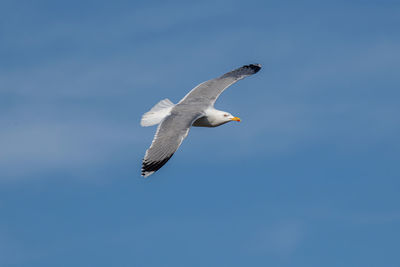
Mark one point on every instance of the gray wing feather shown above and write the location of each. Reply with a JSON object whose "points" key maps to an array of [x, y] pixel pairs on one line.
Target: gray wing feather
{"points": [[207, 92], [169, 136]]}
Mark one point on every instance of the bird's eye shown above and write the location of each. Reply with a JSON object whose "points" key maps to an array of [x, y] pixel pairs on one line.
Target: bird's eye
{"points": [[225, 115]]}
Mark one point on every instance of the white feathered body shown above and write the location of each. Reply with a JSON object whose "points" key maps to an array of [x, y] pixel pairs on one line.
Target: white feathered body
{"points": [[212, 117]]}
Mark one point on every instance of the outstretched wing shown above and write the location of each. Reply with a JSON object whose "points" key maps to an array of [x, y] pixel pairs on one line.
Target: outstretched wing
{"points": [[169, 136], [207, 92]]}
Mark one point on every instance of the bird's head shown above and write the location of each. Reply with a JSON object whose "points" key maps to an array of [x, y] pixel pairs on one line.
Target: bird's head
{"points": [[224, 117], [229, 117]]}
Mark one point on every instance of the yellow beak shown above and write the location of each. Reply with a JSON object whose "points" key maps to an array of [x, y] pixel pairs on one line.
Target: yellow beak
{"points": [[235, 119]]}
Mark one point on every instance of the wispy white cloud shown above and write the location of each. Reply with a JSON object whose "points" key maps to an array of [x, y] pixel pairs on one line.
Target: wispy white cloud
{"points": [[281, 239], [37, 148]]}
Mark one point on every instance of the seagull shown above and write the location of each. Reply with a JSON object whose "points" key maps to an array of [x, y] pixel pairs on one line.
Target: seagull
{"points": [[195, 109]]}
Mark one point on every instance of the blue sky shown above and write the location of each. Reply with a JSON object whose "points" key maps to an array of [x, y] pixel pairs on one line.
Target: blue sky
{"points": [[310, 177]]}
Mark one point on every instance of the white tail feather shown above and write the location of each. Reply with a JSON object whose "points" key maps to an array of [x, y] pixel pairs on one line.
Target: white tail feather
{"points": [[157, 113]]}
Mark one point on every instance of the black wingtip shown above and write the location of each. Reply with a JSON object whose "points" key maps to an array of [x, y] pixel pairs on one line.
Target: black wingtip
{"points": [[255, 67], [149, 167]]}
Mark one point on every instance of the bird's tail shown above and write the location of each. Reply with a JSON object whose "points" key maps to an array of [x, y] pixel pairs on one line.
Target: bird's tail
{"points": [[157, 113]]}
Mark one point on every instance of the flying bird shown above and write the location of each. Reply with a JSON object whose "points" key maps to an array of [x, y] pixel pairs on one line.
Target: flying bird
{"points": [[195, 109]]}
